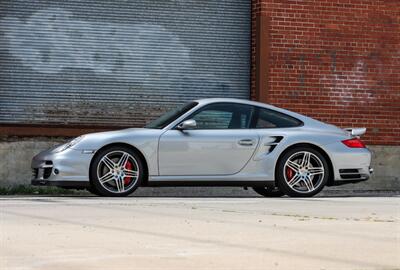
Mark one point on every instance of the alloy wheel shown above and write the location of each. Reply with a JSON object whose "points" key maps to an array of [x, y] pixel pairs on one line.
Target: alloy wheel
{"points": [[304, 172], [118, 171]]}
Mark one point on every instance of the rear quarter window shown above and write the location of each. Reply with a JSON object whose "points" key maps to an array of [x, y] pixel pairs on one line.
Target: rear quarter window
{"points": [[266, 118]]}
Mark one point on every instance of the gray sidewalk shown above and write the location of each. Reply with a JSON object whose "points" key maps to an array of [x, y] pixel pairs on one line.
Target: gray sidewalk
{"points": [[199, 233]]}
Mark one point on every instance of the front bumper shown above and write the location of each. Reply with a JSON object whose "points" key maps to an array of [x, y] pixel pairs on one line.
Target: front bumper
{"points": [[69, 168]]}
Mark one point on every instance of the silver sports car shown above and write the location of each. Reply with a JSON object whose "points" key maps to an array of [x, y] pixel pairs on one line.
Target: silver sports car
{"points": [[215, 142]]}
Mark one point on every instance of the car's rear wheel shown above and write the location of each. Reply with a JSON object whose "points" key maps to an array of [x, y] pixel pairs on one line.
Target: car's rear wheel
{"points": [[116, 171], [268, 191], [302, 172]]}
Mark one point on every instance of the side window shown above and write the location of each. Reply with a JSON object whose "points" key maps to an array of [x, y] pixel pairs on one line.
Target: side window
{"points": [[213, 119], [272, 119], [223, 116]]}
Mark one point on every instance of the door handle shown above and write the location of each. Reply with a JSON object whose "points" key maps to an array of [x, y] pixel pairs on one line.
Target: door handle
{"points": [[246, 142]]}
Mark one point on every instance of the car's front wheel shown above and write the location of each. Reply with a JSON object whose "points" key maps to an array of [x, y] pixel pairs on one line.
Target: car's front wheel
{"points": [[116, 171], [302, 172]]}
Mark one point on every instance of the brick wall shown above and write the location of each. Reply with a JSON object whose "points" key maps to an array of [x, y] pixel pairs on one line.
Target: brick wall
{"points": [[335, 60]]}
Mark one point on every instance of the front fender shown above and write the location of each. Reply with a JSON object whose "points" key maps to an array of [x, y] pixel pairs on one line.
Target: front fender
{"points": [[144, 140]]}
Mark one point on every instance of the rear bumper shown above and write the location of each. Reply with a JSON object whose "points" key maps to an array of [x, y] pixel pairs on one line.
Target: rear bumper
{"points": [[352, 180], [350, 165]]}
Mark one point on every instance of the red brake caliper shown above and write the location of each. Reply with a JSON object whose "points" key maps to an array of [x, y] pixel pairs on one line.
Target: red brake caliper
{"points": [[128, 179], [289, 173]]}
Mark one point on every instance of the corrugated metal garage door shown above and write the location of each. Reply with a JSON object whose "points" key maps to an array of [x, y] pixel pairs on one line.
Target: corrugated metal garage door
{"points": [[118, 62]]}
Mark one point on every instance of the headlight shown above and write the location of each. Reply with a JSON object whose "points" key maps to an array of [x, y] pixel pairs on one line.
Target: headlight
{"points": [[69, 144]]}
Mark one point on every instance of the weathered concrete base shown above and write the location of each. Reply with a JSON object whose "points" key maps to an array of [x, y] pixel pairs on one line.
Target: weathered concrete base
{"points": [[16, 155]]}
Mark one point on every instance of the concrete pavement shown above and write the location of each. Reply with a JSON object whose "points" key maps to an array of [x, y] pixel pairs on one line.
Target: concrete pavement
{"points": [[199, 233]]}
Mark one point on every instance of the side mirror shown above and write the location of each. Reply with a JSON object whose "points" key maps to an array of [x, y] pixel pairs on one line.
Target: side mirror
{"points": [[187, 124]]}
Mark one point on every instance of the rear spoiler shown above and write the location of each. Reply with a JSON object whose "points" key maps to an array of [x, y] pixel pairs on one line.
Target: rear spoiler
{"points": [[355, 132]]}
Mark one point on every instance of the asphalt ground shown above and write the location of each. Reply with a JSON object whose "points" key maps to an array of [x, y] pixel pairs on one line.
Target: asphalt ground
{"points": [[86, 232]]}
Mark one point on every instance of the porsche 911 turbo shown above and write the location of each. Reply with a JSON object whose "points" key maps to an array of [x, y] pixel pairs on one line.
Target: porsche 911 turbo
{"points": [[212, 142]]}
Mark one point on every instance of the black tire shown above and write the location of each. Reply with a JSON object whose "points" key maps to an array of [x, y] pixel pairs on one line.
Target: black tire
{"points": [[107, 189], [317, 181], [268, 191]]}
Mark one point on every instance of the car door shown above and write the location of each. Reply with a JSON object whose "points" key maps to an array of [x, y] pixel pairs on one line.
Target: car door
{"points": [[221, 143]]}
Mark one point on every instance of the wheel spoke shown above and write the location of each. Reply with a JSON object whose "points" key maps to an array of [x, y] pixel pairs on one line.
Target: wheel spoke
{"points": [[122, 183], [122, 161], [108, 162], [130, 173], [293, 165], [309, 184], [306, 159], [121, 179], [295, 180], [119, 184], [316, 170], [106, 178]]}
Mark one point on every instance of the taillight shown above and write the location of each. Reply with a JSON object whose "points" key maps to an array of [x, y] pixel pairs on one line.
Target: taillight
{"points": [[354, 143]]}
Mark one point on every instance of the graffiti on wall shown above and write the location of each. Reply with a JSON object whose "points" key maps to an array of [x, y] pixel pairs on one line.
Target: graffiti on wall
{"points": [[348, 86], [115, 63], [51, 40]]}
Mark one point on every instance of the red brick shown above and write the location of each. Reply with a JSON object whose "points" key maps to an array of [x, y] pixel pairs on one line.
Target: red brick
{"points": [[337, 61]]}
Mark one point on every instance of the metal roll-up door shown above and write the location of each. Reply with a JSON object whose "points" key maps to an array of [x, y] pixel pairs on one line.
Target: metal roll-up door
{"points": [[118, 63]]}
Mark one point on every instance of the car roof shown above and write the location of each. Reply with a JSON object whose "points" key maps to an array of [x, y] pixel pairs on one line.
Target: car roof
{"points": [[240, 101], [233, 100], [308, 121], [205, 101]]}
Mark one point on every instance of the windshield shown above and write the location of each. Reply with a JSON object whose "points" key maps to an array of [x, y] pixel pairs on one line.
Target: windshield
{"points": [[165, 119]]}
